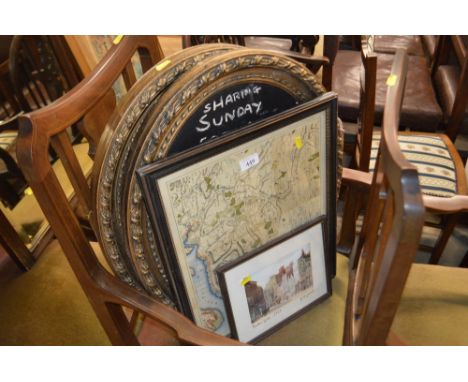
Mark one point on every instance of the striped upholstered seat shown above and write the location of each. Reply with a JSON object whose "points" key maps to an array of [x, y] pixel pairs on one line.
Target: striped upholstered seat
{"points": [[431, 155]]}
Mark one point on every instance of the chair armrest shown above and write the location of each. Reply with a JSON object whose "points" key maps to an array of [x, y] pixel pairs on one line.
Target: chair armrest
{"points": [[356, 178], [184, 329], [358, 183], [455, 204], [313, 63]]}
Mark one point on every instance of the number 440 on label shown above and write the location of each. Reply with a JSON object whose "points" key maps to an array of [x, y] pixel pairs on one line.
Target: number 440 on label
{"points": [[249, 162]]}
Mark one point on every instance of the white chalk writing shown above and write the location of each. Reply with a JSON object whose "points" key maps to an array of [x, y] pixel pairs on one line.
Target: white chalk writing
{"points": [[231, 112]]}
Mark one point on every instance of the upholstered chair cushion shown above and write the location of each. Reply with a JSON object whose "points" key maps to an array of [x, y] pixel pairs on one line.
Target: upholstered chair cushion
{"points": [[389, 44], [420, 109], [430, 154], [446, 84]]}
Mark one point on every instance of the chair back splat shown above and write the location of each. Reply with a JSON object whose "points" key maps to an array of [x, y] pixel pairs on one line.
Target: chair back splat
{"points": [[391, 231], [42, 69], [368, 82]]}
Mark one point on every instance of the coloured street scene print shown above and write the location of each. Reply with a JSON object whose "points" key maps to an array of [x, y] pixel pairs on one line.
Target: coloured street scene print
{"points": [[226, 206], [271, 288]]}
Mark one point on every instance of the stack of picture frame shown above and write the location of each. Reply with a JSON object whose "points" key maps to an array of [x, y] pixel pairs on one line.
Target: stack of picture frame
{"points": [[200, 103], [244, 221]]}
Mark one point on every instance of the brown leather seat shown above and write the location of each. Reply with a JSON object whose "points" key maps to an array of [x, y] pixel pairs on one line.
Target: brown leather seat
{"points": [[420, 108], [388, 44], [446, 82], [346, 83]]}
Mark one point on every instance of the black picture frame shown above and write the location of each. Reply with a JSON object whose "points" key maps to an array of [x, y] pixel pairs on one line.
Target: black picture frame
{"points": [[303, 297], [149, 176]]}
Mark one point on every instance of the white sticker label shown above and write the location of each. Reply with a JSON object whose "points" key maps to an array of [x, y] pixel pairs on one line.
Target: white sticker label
{"points": [[249, 162]]}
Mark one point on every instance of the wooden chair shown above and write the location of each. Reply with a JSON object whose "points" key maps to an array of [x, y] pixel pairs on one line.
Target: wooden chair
{"points": [[420, 110], [450, 74], [391, 299], [91, 124], [36, 72], [421, 46], [299, 44], [441, 170], [41, 69], [390, 44], [358, 142], [456, 205], [300, 48], [390, 234], [365, 126], [46, 127]]}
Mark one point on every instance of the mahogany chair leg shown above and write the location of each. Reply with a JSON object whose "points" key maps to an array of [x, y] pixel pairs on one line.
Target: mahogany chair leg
{"points": [[446, 231], [114, 322], [13, 245], [352, 207]]}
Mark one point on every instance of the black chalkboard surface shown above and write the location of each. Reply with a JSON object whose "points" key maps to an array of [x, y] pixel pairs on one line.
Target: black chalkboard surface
{"points": [[231, 109]]}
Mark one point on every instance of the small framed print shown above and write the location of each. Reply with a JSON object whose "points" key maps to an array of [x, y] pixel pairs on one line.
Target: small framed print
{"points": [[218, 202], [275, 284]]}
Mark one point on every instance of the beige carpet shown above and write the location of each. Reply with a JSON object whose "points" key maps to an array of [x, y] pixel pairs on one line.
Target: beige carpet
{"points": [[46, 306]]}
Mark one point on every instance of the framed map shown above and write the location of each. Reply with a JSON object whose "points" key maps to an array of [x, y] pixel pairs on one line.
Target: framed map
{"points": [[220, 201]]}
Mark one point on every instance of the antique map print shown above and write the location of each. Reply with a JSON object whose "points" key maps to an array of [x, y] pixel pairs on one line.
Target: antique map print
{"points": [[230, 204]]}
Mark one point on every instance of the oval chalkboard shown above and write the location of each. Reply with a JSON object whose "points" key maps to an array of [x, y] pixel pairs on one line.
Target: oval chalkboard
{"points": [[224, 93], [114, 164], [230, 109]]}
